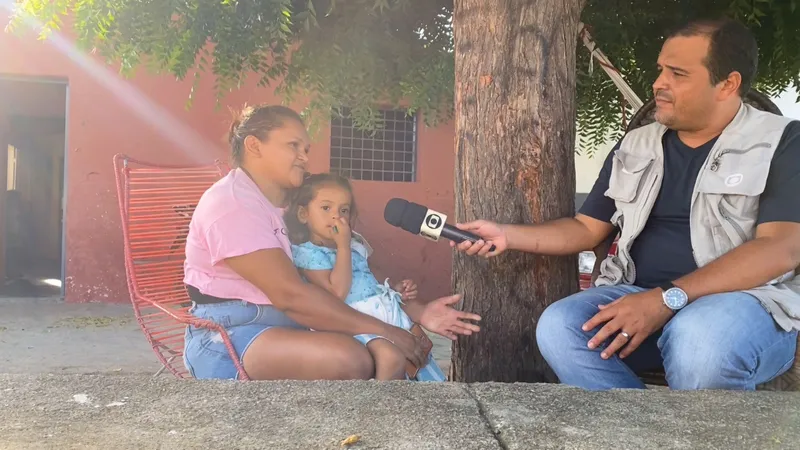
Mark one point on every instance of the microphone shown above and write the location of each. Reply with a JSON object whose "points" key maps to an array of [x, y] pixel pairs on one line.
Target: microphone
{"points": [[419, 220]]}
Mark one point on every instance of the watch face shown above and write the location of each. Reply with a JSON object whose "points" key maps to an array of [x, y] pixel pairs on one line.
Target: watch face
{"points": [[675, 298]]}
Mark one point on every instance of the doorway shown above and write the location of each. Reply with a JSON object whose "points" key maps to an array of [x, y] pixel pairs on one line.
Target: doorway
{"points": [[33, 116]]}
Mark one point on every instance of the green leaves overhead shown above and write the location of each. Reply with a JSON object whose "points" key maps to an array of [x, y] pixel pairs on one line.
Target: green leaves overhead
{"points": [[370, 53], [630, 33]]}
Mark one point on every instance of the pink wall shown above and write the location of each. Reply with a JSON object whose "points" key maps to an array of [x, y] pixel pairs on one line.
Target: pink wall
{"points": [[145, 117]]}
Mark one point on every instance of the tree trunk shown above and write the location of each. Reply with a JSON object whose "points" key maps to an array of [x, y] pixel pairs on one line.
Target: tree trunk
{"points": [[515, 137]]}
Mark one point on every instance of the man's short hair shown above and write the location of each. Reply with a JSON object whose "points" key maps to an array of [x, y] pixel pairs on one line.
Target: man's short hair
{"points": [[732, 47]]}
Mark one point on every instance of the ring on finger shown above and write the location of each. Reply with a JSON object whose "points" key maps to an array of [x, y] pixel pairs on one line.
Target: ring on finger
{"points": [[625, 335]]}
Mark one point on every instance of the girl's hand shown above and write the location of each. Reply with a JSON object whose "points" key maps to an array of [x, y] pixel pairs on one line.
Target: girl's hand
{"points": [[341, 233], [441, 318], [407, 290]]}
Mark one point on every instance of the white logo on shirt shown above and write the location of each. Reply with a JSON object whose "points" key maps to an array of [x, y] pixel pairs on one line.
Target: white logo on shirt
{"points": [[734, 180]]}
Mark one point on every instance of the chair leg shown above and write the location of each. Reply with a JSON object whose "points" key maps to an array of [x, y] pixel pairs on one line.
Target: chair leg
{"points": [[164, 367]]}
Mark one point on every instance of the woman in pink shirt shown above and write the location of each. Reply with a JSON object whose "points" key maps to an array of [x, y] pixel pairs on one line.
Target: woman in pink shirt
{"points": [[239, 273]]}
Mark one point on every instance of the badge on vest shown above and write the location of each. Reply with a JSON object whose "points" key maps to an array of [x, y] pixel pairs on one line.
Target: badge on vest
{"points": [[734, 180]]}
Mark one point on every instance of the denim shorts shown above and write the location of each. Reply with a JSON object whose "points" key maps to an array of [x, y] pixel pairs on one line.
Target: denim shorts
{"points": [[205, 354]]}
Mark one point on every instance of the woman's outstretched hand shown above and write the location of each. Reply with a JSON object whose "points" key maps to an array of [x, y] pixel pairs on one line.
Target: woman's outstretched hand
{"points": [[441, 318]]}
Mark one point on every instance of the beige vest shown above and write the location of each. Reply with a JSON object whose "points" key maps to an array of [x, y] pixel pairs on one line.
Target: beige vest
{"points": [[724, 202]]}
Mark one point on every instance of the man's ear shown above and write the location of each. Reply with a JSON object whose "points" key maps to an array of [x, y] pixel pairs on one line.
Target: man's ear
{"points": [[730, 86]]}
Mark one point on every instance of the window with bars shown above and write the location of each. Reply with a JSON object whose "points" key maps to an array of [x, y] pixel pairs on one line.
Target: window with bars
{"points": [[386, 154]]}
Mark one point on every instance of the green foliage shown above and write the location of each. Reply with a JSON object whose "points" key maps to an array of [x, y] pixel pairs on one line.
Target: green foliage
{"points": [[366, 54], [630, 33], [358, 53]]}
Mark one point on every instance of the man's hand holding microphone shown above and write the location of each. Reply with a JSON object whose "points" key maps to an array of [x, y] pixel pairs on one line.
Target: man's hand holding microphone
{"points": [[481, 237], [432, 225], [490, 235]]}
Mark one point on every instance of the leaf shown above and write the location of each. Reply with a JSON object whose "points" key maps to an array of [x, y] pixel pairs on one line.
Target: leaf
{"points": [[373, 53], [350, 440]]}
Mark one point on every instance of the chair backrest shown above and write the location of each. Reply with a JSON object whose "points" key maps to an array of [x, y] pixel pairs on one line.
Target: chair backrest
{"points": [[156, 205]]}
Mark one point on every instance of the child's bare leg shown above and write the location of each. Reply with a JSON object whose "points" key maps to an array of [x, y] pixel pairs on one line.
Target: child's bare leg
{"points": [[390, 363]]}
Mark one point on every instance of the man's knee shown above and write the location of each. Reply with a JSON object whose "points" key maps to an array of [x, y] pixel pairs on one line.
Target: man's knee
{"points": [[560, 325], [697, 371], [697, 359]]}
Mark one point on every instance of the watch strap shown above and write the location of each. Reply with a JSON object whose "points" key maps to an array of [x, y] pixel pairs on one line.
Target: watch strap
{"points": [[667, 286]]}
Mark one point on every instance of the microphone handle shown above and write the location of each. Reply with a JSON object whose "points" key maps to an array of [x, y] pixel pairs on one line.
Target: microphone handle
{"points": [[459, 236]]}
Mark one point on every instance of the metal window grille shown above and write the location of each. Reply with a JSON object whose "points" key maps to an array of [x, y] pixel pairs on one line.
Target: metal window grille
{"points": [[386, 154]]}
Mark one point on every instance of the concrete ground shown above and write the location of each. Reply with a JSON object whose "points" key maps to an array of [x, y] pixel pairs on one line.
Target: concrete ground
{"points": [[140, 412], [80, 376], [50, 336]]}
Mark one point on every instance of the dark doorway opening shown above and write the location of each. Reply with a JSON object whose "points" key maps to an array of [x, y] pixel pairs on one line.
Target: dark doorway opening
{"points": [[33, 116]]}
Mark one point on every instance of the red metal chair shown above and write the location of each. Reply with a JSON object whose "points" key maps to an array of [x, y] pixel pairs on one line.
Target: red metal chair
{"points": [[586, 273], [156, 204]]}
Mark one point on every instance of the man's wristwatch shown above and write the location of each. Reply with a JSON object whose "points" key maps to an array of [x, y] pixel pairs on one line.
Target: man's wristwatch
{"points": [[674, 297]]}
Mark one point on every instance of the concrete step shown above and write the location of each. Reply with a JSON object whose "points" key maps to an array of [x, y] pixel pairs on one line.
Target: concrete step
{"points": [[140, 412]]}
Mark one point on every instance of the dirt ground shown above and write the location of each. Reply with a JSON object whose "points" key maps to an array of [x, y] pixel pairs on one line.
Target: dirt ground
{"points": [[50, 336]]}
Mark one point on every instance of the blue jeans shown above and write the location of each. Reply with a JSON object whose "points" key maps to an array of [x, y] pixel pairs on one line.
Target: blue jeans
{"points": [[722, 341], [205, 354]]}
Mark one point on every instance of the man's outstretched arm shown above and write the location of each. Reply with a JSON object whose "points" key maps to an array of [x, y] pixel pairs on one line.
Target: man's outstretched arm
{"points": [[565, 236], [568, 236]]}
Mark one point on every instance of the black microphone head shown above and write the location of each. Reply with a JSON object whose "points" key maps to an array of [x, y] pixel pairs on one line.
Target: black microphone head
{"points": [[393, 212], [404, 214]]}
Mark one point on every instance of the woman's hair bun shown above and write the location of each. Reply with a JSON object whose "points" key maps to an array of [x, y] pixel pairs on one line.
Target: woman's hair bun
{"points": [[236, 120]]}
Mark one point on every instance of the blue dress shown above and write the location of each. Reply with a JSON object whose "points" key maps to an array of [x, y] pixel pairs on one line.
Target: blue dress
{"points": [[366, 294], [314, 257]]}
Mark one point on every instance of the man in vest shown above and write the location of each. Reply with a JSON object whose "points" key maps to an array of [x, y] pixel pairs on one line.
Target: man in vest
{"points": [[707, 201]]}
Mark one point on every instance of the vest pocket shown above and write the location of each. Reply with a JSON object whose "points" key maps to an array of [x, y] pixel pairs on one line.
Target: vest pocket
{"points": [[748, 180], [737, 223], [734, 197], [626, 176]]}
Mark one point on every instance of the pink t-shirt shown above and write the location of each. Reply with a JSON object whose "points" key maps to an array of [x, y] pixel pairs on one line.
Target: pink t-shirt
{"points": [[233, 218]]}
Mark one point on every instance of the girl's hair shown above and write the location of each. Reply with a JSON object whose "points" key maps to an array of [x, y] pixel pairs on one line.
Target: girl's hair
{"points": [[298, 232], [257, 121]]}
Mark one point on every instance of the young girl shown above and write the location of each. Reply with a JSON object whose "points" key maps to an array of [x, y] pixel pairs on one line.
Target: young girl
{"points": [[332, 257], [239, 274]]}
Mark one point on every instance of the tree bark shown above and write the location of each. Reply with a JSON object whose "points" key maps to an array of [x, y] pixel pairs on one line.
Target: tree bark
{"points": [[515, 140]]}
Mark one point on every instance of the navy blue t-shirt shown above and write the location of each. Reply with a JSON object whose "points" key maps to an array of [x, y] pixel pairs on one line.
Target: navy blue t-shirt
{"points": [[663, 251]]}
